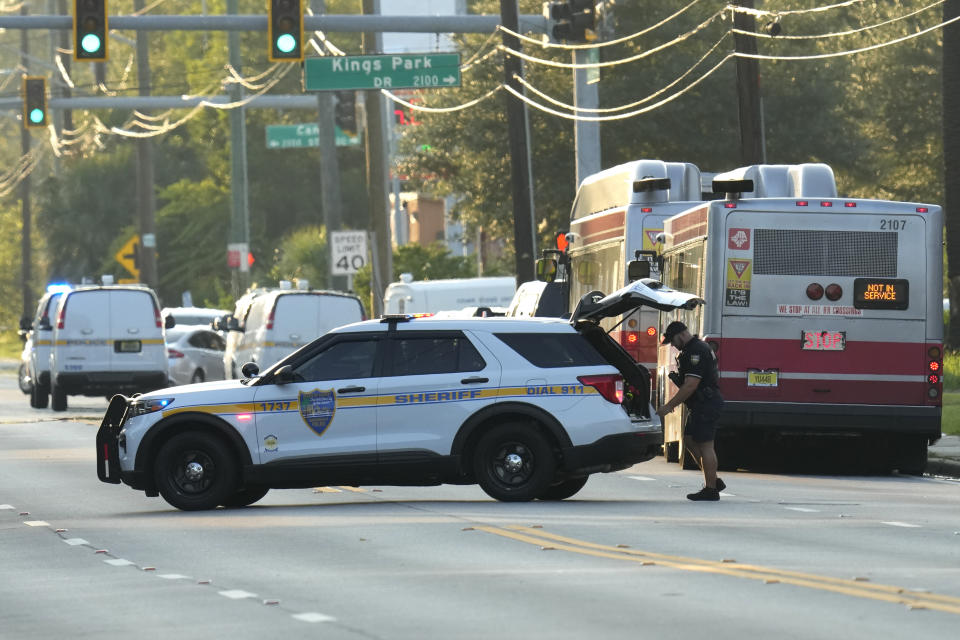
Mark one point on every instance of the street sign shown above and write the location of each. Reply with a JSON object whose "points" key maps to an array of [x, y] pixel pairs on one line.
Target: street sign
{"points": [[129, 257], [239, 256], [296, 136], [348, 252], [397, 71]]}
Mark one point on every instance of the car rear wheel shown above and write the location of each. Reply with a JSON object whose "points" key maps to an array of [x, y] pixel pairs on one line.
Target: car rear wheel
{"points": [[58, 401], [563, 490], [195, 471], [514, 463], [23, 379], [246, 496]]}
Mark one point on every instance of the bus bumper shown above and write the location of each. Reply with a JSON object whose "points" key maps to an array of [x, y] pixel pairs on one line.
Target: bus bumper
{"points": [[832, 419]]}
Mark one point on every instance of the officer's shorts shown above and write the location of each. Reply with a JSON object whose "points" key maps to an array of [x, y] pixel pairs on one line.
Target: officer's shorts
{"points": [[702, 421]]}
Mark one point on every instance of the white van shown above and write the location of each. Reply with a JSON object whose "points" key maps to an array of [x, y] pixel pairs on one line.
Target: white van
{"points": [[107, 340], [279, 322], [431, 296], [35, 358]]}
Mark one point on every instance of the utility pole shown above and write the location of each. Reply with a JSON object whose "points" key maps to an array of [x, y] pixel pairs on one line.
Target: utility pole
{"points": [[146, 200], [519, 149], [748, 86], [377, 173], [586, 133], [26, 252], [240, 212]]}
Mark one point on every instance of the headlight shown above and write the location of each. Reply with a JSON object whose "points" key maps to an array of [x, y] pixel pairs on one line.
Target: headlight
{"points": [[141, 406]]}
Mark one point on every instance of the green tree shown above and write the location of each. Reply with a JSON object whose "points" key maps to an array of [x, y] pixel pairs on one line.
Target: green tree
{"points": [[303, 256]]}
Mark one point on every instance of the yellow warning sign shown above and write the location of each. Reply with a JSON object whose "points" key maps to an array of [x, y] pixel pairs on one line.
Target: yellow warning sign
{"points": [[738, 273], [129, 257], [650, 240]]}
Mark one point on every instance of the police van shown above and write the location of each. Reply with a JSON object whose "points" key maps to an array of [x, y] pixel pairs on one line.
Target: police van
{"points": [[35, 360], [107, 340], [280, 321], [528, 408], [431, 296]]}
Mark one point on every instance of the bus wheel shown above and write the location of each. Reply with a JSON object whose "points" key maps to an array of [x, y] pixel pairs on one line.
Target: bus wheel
{"points": [[910, 456]]}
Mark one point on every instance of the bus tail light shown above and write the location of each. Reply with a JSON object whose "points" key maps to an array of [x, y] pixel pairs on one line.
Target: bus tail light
{"points": [[814, 291], [652, 332], [609, 385], [834, 291], [934, 372]]}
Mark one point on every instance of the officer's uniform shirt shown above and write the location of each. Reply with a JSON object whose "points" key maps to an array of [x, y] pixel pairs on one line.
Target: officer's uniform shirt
{"points": [[698, 360]]}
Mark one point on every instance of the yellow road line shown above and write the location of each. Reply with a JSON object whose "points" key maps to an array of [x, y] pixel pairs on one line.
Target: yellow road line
{"points": [[885, 593]]}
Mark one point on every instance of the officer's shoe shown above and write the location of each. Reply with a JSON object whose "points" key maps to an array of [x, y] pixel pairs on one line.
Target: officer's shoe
{"points": [[706, 493], [721, 485]]}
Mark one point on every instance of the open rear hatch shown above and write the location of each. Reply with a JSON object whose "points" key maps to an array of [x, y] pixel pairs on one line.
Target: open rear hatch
{"points": [[595, 306]]}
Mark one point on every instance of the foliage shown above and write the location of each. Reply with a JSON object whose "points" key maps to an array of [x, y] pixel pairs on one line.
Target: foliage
{"points": [[303, 255]]}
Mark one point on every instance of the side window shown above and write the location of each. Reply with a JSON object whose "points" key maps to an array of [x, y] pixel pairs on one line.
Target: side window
{"points": [[217, 343], [549, 350], [423, 355], [199, 340], [340, 361]]}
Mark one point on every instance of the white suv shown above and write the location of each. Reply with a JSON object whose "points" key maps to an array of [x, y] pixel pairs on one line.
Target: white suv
{"points": [[526, 408]]}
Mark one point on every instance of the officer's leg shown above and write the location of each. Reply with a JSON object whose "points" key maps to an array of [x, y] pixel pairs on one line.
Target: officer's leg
{"points": [[708, 462], [692, 448]]}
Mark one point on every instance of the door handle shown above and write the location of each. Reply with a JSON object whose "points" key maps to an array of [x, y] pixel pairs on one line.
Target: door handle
{"points": [[351, 389], [474, 380]]}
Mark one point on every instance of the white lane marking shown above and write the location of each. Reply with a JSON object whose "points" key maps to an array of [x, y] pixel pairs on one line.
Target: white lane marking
{"points": [[6, 506], [894, 523], [73, 542], [118, 562], [802, 509], [237, 594], [36, 523], [173, 576], [311, 616], [644, 478]]}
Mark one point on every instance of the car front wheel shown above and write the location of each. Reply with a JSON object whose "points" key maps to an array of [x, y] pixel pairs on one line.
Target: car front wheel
{"points": [[514, 463], [195, 471], [247, 496]]}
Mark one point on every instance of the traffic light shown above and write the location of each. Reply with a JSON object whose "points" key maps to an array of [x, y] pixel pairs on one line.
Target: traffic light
{"points": [[574, 20], [90, 30], [34, 102], [286, 30], [345, 113]]}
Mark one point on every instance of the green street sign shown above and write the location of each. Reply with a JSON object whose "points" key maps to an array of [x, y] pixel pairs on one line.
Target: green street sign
{"points": [[396, 71], [295, 136]]}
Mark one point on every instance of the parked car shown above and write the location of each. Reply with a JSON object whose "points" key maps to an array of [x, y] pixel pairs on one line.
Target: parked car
{"points": [[38, 340], [194, 354], [528, 408]]}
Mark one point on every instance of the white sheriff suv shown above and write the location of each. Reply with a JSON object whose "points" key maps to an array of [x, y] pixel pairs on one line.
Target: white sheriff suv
{"points": [[526, 408]]}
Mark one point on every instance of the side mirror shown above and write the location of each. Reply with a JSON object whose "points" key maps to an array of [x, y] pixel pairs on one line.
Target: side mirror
{"points": [[546, 269], [45, 324], [283, 375], [250, 370], [170, 322], [637, 269], [233, 324]]}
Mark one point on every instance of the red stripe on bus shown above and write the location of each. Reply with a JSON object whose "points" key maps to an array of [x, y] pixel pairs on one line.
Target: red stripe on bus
{"points": [[690, 225], [607, 226], [869, 357]]}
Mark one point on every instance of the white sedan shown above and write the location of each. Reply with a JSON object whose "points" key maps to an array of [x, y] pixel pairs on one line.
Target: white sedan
{"points": [[195, 354]]}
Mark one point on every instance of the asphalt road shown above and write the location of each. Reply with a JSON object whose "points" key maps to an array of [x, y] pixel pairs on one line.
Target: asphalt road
{"points": [[628, 557]]}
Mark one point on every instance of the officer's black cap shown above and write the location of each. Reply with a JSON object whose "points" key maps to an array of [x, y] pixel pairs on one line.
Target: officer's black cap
{"points": [[672, 329]]}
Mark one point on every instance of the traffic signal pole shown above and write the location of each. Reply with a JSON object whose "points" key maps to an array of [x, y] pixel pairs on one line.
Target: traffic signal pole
{"points": [[586, 95], [26, 250], [239, 210]]}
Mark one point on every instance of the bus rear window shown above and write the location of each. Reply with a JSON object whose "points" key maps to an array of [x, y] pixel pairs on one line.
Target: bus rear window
{"points": [[881, 293]]}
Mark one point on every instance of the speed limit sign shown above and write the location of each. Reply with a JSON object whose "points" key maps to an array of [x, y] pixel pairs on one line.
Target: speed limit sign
{"points": [[348, 252]]}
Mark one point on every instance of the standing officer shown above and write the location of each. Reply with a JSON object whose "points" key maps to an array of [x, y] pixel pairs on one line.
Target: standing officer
{"points": [[699, 390]]}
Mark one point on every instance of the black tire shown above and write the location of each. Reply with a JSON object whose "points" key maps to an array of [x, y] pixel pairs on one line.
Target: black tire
{"points": [[245, 497], [39, 397], [910, 455], [514, 463], [195, 471], [565, 489], [197, 377], [23, 380], [58, 400]]}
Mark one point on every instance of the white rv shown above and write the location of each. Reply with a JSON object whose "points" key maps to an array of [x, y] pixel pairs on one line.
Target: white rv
{"points": [[431, 296]]}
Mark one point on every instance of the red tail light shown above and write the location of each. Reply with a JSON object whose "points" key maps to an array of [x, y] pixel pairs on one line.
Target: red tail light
{"points": [[609, 385], [157, 317], [173, 353], [60, 315], [270, 319]]}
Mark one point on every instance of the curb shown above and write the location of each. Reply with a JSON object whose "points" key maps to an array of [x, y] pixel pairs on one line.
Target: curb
{"points": [[943, 467]]}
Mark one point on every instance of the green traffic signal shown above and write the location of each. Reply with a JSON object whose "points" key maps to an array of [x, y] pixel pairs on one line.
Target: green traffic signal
{"points": [[90, 30], [34, 101], [286, 43], [90, 43], [37, 116], [286, 30]]}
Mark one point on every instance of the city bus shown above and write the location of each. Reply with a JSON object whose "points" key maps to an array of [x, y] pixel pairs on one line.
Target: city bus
{"points": [[618, 215], [824, 312]]}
